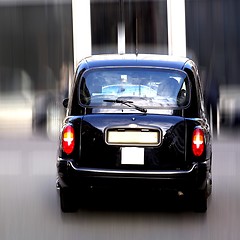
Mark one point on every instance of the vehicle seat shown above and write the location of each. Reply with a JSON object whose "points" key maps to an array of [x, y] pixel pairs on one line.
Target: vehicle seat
{"points": [[168, 88], [182, 97]]}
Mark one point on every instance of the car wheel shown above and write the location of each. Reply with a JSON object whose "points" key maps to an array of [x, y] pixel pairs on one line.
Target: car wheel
{"points": [[200, 200], [68, 200]]}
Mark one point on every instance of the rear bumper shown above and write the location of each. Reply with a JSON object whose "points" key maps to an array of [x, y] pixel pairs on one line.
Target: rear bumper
{"points": [[192, 179]]}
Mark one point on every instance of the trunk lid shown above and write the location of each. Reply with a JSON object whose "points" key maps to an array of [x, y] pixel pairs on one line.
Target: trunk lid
{"points": [[97, 150]]}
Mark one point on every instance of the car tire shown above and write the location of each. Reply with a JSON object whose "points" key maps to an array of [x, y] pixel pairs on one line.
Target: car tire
{"points": [[209, 184], [68, 200], [200, 200]]}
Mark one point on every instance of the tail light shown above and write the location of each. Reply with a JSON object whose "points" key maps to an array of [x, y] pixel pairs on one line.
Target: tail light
{"points": [[68, 139], [198, 142]]}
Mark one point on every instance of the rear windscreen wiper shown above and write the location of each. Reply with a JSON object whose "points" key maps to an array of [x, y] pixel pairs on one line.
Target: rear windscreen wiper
{"points": [[127, 103]]}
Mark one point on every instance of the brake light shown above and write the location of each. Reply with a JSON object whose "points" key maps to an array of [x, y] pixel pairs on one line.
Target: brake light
{"points": [[198, 142], [68, 139]]}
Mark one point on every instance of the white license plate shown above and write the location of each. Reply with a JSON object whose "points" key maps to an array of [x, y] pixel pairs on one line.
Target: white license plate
{"points": [[133, 137], [132, 155]]}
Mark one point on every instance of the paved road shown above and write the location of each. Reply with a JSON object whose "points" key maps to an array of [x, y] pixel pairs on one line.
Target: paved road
{"points": [[29, 204]]}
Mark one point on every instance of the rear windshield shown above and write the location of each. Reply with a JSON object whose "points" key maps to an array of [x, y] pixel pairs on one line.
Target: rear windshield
{"points": [[150, 88]]}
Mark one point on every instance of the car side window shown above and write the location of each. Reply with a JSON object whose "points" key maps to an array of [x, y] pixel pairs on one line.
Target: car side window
{"points": [[182, 95], [193, 108]]}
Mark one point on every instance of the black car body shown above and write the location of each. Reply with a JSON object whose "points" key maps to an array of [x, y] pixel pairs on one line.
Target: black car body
{"points": [[135, 120]]}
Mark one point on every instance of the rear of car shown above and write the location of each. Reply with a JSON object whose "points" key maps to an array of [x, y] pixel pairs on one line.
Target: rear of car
{"points": [[135, 125]]}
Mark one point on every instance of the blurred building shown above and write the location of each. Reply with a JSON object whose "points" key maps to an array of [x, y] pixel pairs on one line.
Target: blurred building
{"points": [[36, 46], [35, 42]]}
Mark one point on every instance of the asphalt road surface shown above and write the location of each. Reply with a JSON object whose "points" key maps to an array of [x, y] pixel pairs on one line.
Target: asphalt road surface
{"points": [[29, 202]]}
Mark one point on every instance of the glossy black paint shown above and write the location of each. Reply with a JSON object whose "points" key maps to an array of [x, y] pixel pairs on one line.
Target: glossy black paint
{"points": [[171, 164]]}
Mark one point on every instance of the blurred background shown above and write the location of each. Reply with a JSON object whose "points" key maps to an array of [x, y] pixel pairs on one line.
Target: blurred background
{"points": [[37, 54], [39, 40]]}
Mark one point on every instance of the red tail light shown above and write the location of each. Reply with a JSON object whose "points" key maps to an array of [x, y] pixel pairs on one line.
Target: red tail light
{"points": [[198, 142], [68, 139]]}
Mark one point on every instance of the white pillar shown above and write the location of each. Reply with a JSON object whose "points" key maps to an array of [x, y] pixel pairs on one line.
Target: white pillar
{"points": [[121, 38], [82, 43], [176, 27]]}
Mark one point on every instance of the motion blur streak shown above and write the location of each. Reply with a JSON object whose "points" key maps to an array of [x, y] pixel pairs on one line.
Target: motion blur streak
{"points": [[29, 203], [37, 56], [36, 64]]}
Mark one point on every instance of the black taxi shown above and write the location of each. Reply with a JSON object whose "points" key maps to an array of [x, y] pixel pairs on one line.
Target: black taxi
{"points": [[135, 121]]}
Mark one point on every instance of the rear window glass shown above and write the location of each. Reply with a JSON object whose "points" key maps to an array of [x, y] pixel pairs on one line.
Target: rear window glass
{"points": [[151, 88]]}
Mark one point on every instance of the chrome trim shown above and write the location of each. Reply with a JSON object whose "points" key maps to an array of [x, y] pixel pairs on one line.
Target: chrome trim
{"points": [[137, 129], [150, 172]]}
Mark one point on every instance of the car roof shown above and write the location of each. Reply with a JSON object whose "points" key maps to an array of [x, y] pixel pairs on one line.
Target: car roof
{"points": [[147, 60]]}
